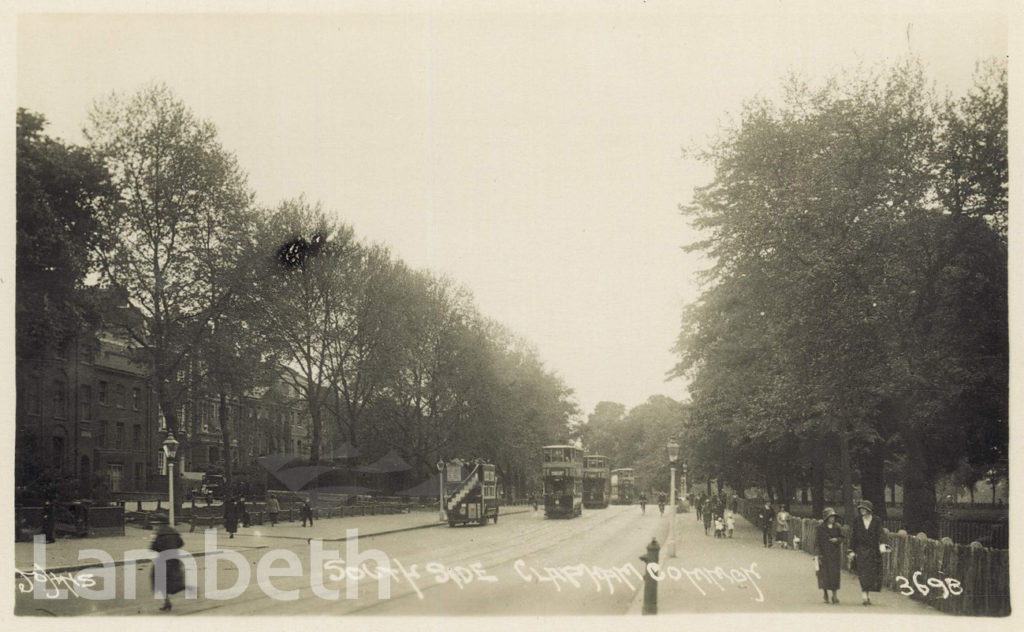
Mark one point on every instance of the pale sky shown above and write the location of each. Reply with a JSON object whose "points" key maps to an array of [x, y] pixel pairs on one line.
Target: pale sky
{"points": [[534, 155]]}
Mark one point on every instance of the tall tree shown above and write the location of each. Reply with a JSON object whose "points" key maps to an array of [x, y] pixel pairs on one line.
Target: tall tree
{"points": [[172, 176], [308, 262], [61, 193], [855, 232]]}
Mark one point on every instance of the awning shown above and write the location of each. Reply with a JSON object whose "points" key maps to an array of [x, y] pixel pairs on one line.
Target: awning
{"points": [[344, 451], [274, 462], [429, 487], [388, 463], [297, 477]]}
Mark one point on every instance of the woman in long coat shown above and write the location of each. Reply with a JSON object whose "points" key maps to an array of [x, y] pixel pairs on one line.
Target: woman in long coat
{"points": [[167, 539], [867, 540], [828, 542], [230, 516]]}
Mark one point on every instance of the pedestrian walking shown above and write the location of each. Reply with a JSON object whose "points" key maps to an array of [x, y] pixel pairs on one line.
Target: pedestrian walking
{"points": [[867, 550], [828, 542], [699, 506], [243, 512], [307, 513], [782, 526], [50, 521], [707, 518], [273, 508], [230, 516], [730, 523], [173, 580], [719, 527], [767, 519]]}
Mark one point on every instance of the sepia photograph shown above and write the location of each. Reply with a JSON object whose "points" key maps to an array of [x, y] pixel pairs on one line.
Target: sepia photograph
{"points": [[624, 314]]}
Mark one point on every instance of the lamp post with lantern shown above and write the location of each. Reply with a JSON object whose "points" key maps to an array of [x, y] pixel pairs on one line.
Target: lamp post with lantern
{"points": [[170, 451]]}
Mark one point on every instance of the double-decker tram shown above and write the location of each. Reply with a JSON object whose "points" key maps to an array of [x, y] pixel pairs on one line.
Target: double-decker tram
{"points": [[597, 488], [563, 481], [622, 486], [471, 491]]}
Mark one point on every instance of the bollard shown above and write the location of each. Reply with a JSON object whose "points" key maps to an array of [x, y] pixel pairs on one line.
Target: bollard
{"points": [[650, 584]]}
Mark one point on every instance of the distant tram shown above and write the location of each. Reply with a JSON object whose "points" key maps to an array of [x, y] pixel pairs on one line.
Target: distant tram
{"points": [[622, 486], [563, 481], [597, 490]]}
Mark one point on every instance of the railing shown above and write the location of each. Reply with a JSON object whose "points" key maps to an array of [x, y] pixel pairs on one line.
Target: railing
{"points": [[983, 573], [94, 521]]}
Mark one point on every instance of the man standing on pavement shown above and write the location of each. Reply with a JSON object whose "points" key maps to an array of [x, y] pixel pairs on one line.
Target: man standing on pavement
{"points": [[273, 508], [307, 513]]}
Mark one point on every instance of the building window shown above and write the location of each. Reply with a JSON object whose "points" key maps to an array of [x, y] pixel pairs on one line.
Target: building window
{"points": [[85, 402], [140, 476], [59, 399], [137, 436], [119, 440], [58, 453], [136, 399], [119, 395], [115, 472], [101, 396], [101, 438]]}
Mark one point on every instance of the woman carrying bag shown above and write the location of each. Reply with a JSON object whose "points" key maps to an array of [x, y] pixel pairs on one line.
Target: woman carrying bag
{"points": [[827, 561], [867, 550]]}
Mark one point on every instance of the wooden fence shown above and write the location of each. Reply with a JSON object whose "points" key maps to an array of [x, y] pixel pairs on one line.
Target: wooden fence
{"points": [[983, 574]]}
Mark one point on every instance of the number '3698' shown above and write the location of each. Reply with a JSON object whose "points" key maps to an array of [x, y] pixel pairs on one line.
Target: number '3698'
{"points": [[948, 585]]}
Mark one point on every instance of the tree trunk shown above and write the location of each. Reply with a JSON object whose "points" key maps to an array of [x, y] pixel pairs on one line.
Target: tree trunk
{"points": [[918, 487], [872, 476], [314, 418], [818, 464], [847, 475], [225, 437]]}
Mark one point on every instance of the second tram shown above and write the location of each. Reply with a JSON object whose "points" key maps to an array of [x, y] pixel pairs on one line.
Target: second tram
{"points": [[563, 481], [596, 482], [622, 486]]}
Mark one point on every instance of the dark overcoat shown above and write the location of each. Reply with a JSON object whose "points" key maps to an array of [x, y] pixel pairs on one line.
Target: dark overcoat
{"points": [[869, 559], [829, 555]]}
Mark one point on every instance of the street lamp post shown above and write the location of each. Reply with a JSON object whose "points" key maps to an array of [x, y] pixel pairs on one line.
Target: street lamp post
{"points": [[673, 454], [170, 450]]}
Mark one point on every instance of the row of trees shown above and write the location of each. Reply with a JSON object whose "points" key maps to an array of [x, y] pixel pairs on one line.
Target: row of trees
{"points": [[854, 320], [222, 294], [637, 438]]}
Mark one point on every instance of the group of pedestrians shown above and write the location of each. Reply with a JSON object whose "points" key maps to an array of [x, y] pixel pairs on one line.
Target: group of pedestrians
{"points": [[236, 511], [865, 554], [715, 512], [774, 525]]}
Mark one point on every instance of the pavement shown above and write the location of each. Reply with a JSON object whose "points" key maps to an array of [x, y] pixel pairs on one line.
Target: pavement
{"points": [[63, 555], [712, 575]]}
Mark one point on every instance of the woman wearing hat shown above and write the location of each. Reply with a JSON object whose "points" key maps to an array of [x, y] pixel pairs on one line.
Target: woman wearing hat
{"points": [[827, 544], [866, 544]]}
